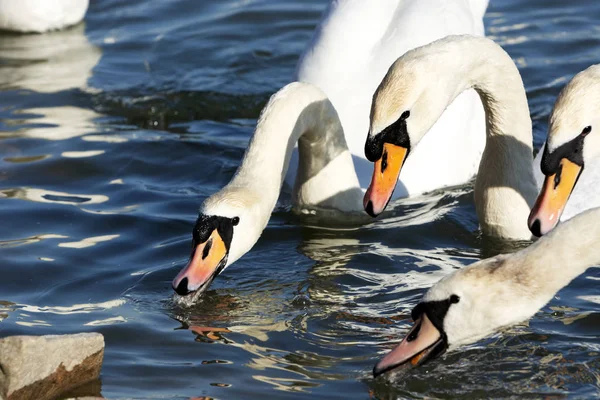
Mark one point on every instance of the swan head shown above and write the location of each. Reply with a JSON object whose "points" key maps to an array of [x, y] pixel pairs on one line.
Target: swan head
{"points": [[405, 106], [573, 141], [228, 225], [462, 308]]}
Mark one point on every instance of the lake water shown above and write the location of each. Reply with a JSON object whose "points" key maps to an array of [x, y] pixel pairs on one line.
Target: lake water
{"points": [[114, 132]]}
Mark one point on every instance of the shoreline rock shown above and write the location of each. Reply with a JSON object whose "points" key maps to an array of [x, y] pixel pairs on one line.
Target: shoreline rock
{"points": [[44, 367]]}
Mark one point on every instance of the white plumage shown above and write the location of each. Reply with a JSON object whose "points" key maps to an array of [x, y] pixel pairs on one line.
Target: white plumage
{"points": [[40, 15], [350, 53]]}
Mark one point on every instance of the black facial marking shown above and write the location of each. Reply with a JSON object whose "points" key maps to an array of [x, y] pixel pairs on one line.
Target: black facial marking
{"points": [[572, 151], [206, 224], [436, 311], [207, 249], [396, 133]]}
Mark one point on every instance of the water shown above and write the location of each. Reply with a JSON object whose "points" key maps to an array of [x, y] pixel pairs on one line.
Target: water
{"points": [[113, 133]]}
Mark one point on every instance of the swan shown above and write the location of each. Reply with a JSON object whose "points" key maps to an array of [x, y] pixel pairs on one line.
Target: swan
{"points": [[573, 142], [40, 15], [351, 50], [498, 292], [408, 102], [231, 220]]}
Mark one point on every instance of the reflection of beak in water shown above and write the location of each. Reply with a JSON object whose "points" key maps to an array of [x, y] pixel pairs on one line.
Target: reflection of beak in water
{"points": [[210, 333], [246, 326], [51, 62]]}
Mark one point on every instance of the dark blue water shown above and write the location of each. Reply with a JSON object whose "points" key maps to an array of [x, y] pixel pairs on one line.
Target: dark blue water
{"points": [[114, 132]]}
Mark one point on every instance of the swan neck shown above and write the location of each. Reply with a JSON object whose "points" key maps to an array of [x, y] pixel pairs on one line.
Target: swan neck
{"points": [[505, 189], [298, 113], [567, 251]]}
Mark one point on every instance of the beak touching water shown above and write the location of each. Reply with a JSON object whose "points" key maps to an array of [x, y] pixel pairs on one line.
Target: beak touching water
{"points": [[207, 260], [423, 342], [553, 197], [385, 176]]}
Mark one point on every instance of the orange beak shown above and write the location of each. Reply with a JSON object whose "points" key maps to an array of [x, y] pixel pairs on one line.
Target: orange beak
{"points": [[385, 176], [553, 198], [206, 261], [421, 342]]}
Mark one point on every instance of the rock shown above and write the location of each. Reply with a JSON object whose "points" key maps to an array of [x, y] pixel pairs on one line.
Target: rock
{"points": [[43, 367]]}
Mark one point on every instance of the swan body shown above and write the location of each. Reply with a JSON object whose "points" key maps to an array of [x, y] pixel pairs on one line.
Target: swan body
{"points": [[40, 15], [352, 49], [498, 292]]}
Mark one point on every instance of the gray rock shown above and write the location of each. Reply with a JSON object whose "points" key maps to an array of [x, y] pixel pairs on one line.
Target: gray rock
{"points": [[43, 367]]}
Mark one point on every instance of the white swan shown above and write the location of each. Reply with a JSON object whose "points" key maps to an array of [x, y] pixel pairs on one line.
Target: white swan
{"points": [[573, 143], [407, 102], [352, 49], [232, 220], [415, 92], [489, 295], [40, 15]]}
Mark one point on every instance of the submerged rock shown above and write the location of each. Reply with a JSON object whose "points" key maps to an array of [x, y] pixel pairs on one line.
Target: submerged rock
{"points": [[44, 367]]}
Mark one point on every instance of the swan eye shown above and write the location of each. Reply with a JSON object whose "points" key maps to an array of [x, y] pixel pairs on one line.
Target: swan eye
{"points": [[586, 130], [454, 299], [405, 115], [235, 221]]}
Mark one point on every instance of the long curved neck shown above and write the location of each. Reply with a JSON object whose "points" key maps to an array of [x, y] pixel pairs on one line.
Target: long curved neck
{"points": [[505, 188], [299, 113], [558, 258]]}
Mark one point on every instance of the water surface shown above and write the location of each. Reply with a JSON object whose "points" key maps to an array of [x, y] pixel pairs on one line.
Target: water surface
{"points": [[113, 132]]}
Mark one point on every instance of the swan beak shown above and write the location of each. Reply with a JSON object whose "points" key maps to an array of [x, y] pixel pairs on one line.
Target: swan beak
{"points": [[553, 197], [385, 177], [206, 261], [423, 341]]}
